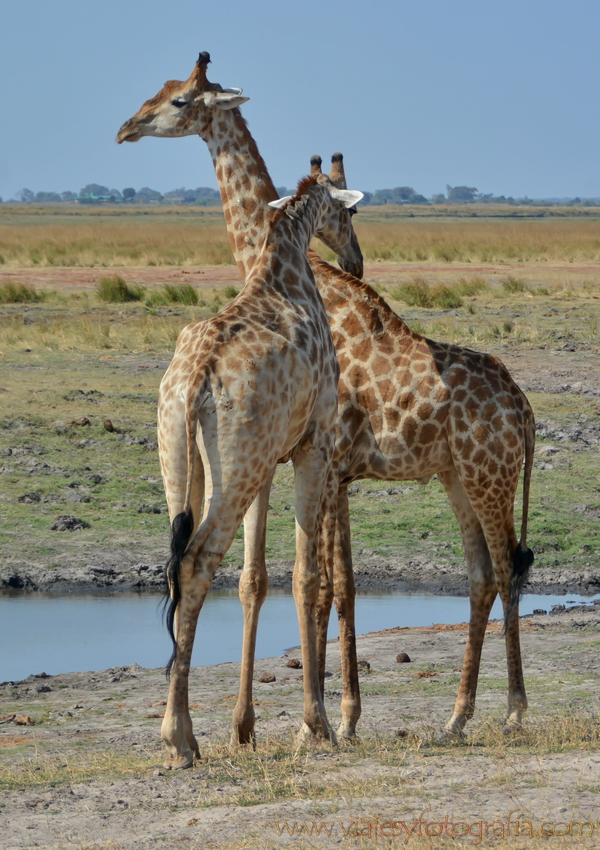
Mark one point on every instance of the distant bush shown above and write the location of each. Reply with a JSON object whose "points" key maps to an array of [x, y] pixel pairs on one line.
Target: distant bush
{"points": [[470, 285], [180, 293], [18, 293], [418, 293], [230, 292], [512, 284], [114, 288]]}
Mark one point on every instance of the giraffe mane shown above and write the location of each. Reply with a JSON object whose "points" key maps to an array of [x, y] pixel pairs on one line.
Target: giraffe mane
{"points": [[303, 187], [391, 320]]}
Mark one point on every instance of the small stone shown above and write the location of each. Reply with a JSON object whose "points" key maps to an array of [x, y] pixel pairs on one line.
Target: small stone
{"points": [[294, 663], [363, 664], [266, 678], [108, 426], [283, 713], [24, 720], [43, 689], [403, 658], [401, 733], [539, 611]]}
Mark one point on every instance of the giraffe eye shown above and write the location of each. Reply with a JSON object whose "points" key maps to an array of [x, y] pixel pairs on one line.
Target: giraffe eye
{"points": [[178, 102]]}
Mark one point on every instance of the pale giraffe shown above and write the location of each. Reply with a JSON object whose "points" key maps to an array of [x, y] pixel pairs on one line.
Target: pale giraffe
{"points": [[254, 384]]}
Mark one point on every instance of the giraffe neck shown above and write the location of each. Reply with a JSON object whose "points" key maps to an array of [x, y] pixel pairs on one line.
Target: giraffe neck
{"points": [[287, 244], [245, 186]]}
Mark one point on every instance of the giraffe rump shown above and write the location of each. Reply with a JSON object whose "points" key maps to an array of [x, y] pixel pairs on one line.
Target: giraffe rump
{"points": [[181, 532]]}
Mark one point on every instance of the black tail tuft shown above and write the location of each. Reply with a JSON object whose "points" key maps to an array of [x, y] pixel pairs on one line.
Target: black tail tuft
{"points": [[522, 562], [181, 531]]}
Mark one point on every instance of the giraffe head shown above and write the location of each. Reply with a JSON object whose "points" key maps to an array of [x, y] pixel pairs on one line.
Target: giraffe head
{"points": [[337, 179], [332, 218], [182, 108]]}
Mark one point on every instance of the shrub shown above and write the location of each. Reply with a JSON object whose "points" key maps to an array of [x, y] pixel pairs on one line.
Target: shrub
{"points": [[180, 293], [18, 293], [512, 284], [418, 293], [114, 288], [470, 285], [230, 292], [445, 297]]}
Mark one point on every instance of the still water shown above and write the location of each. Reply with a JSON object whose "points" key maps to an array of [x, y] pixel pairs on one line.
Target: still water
{"points": [[64, 634]]}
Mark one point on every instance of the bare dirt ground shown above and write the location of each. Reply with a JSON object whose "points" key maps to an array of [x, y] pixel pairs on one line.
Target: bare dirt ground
{"points": [[88, 774]]}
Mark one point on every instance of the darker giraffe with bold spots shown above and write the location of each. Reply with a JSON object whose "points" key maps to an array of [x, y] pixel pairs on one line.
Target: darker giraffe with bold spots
{"points": [[410, 408]]}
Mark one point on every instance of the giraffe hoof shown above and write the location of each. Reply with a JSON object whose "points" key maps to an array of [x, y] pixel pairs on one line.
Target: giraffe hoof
{"points": [[317, 739], [512, 727], [179, 762], [442, 735], [347, 734], [238, 740]]}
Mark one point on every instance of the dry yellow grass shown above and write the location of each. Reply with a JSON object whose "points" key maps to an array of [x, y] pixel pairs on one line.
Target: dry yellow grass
{"points": [[480, 240], [159, 236]]}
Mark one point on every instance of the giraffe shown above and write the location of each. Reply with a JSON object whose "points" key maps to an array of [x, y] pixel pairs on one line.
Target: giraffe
{"points": [[410, 408], [256, 383]]}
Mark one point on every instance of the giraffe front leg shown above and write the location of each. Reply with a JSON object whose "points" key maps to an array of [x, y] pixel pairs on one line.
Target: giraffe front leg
{"points": [[345, 594], [326, 538], [252, 590], [310, 474]]}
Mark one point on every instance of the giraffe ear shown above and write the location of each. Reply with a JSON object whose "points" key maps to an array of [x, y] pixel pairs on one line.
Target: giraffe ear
{"points": [[280, 203], [223, 99], [349, 197]]}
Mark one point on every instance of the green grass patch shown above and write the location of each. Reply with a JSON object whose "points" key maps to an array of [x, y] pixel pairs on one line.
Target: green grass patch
{"points": [[419, 293], [115, 289], [18, 293]]}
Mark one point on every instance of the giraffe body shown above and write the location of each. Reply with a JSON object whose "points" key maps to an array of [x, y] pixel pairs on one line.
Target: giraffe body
{"points": [[254, 383], [410, 408]]}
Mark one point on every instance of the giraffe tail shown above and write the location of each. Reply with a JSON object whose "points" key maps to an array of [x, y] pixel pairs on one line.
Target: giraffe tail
{"points": [[182, 529], [181, 532], [523, 557]]}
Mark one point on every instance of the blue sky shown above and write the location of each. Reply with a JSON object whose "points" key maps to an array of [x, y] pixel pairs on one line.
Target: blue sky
{"points": [[502, 96]]}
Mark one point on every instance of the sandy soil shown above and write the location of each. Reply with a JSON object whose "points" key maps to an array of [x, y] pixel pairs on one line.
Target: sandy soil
{"points": [[88, 717]]}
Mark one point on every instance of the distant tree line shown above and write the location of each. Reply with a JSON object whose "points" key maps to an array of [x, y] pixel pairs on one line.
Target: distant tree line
{"points": [[94, 193]]}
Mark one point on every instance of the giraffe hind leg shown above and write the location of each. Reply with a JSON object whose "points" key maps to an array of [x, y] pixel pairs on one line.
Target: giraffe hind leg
{"points": [[482, 592], [252, 590]]}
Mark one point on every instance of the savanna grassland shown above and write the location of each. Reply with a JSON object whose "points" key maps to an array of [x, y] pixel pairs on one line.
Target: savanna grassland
{"points": [[80, 752], [525, 288]]}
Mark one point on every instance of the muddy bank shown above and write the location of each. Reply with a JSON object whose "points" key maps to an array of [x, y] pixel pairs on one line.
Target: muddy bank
{"points": [[372, 572]]}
